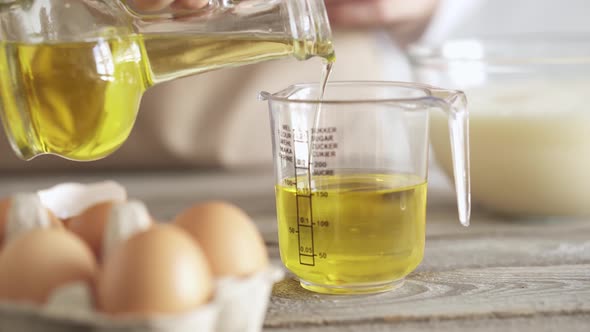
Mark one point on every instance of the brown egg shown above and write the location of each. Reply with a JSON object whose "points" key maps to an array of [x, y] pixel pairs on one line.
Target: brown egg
{"points": [[160, 270], [4, 206], [41, 260], [230, 240], [90, 225]]}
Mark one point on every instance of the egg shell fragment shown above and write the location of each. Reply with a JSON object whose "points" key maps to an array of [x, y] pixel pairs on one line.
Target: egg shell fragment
{"points": [[68, 200], [26, 213], [124, 220]]}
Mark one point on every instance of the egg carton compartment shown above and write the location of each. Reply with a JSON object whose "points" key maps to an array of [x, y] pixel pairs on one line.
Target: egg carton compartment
{"points": [[234, 303], [238, 305], [25, 318]]}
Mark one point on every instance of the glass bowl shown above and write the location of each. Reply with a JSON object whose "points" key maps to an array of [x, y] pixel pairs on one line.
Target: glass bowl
{"points": [[529, 103]]}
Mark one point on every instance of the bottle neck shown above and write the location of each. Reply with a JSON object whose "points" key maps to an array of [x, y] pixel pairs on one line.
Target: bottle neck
{"points": [[310, 29], [231, 33]]}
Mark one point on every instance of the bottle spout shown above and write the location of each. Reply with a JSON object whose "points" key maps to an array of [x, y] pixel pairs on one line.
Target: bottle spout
{"points": [[264, 96], [310, 29], [458, 115]]}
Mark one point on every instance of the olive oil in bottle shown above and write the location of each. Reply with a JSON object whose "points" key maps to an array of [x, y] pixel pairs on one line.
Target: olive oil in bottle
{"points": [[79, 100]]}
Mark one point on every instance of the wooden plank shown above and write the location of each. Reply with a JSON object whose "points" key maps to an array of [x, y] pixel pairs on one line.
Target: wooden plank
{"points": [[441, 225], [487, 242], [465, 294], [444, 255], [536, 323], [490, 244], [167, 193], [447, 255]]}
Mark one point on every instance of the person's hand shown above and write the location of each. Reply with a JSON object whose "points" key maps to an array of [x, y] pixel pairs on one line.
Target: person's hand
{"points": [[405, 19], [378, 13], [154, 5]]}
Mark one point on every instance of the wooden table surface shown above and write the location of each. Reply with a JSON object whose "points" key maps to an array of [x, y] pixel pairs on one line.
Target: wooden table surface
{"points": [[496, 275]]}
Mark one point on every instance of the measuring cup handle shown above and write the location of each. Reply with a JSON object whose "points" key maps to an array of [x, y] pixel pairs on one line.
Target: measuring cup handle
{"points": [[458, 115], [459, 136]]}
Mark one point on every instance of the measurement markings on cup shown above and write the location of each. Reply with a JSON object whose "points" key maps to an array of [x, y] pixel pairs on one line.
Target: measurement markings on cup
{"points": [[303, 197]]}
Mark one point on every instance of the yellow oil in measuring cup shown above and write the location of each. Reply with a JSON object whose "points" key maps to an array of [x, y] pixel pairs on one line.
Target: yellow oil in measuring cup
{"points": [[82, 97], [355, 229]]}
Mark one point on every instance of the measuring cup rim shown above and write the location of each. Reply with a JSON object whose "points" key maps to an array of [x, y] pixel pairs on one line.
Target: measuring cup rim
{"points": [[283, 95]]}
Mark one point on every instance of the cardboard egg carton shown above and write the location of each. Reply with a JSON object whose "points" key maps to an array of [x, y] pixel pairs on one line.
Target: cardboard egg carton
{"points": [[238, 304]]}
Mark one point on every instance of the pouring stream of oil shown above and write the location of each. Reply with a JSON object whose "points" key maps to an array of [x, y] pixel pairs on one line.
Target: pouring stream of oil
{"points": [[326, 72]]}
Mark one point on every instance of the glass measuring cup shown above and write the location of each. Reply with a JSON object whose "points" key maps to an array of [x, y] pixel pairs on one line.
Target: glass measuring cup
{"points": [[351, 176]]}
